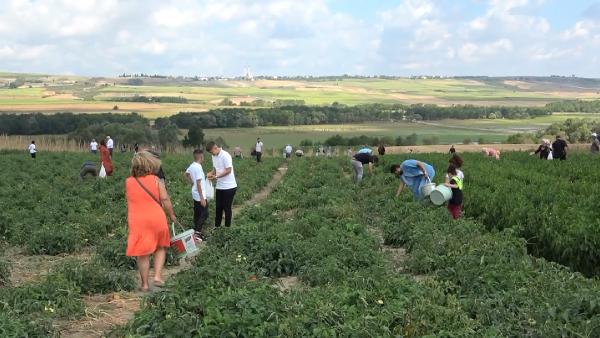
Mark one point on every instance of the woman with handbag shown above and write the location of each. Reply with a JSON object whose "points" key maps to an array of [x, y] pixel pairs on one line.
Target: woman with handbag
{"points": [[147, 201], [105, 158]]}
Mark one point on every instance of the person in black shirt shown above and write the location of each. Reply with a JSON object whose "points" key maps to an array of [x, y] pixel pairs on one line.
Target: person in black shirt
{"points": [[452, 150], [360, 159], [559, 149], [456, 184], [544, 150], [381, 149]]}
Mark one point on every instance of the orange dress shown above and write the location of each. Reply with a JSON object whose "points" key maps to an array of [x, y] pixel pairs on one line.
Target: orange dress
{"points": [[148, 229]]}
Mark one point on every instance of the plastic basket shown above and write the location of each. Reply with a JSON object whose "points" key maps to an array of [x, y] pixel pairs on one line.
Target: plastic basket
{"points": [[183, 243]]}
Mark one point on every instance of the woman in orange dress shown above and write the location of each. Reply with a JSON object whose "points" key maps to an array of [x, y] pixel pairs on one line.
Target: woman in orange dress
{"points": [[105, 158], [147, 201]]}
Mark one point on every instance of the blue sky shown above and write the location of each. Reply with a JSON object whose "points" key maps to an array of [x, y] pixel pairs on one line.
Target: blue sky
{"points": [[308, 37]]}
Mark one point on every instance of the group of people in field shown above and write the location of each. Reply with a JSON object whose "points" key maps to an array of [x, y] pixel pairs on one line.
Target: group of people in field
{"points": [[148, 205], [558, 149], [415, 175]]}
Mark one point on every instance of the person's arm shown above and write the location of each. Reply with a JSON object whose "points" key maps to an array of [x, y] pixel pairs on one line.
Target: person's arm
{"points": [[421, 166], [166, 201], [225, 172], [370, 168], [200, 192], [400, 188], [451, 185]]}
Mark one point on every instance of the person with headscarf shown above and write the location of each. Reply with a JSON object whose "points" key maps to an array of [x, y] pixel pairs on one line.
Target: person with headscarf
{"points": [[544, 150], [491, 152], [414, 174]]}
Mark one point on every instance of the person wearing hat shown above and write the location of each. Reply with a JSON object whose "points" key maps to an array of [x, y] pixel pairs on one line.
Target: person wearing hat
{"points": [[544, 150], [595, 147], [559, 149]]}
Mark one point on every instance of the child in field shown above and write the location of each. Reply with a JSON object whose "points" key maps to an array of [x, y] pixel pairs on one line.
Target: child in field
{"points": [[456, 184]]}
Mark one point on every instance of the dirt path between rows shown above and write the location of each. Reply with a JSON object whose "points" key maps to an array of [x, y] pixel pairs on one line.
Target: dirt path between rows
{"points": [[103, 312]]}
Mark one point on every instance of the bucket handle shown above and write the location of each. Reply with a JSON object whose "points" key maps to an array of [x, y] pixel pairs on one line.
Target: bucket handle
{"points": [[173, 227]]}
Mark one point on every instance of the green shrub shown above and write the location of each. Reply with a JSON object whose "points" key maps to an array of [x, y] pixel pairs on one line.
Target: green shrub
{"points": [[96, 277], [55, 240]]}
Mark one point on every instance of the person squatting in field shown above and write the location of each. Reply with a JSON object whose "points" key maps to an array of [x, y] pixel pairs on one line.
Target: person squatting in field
{"points": [[358, 161], [88, 168], [195, 176], [147, 202], [226, 184], [455, 182], [414, 174], [491, 152]]}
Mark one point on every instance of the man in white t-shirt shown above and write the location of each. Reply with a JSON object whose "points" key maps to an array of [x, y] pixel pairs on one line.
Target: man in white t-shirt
{"points": [[32, 150], [258, 148], [288, 151], [110, 145], [226, 184], [195, 176], [94, 146]]}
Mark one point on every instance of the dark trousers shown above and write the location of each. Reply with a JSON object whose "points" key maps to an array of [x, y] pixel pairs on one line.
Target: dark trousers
{"points": [[224, 201], [32, 155], [110, 150], [258, 156], [200, 215]]}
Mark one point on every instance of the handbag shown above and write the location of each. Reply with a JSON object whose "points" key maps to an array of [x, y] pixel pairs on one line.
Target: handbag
{"points": [[210, 190]]}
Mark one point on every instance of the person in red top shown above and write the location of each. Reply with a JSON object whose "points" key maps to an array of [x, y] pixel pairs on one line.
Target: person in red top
{"points": [[105, 158], [147, 201]]}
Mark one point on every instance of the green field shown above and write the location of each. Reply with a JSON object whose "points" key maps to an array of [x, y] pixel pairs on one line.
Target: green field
{"points": [[318, 256], [67, 93]]}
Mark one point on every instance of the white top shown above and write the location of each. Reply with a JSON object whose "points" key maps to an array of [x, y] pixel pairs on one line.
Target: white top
{"points": [[221, 162], [94, 145], [197, 173], [32, 149], [459, 173], [109, 144], [288, 149], [258, 147]]}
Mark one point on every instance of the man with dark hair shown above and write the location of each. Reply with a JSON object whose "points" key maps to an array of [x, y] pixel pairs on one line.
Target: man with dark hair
{"points": [[360, 159], [559, 149], [226, 184], [195, 176]]}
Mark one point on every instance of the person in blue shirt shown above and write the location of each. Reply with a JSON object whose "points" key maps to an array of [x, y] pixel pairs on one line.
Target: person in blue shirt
{"points": [[365, 150], [414, 174]]}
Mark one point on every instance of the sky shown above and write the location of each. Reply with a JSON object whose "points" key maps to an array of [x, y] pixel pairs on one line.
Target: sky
{"points": [[301, 37]]}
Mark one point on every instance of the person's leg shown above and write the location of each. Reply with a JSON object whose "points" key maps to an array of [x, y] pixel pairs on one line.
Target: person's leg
{"points": [[219, 207], [143, 263], [355, 170], [203, 216], [454, 210], [228, 203], [160, 256], [258, 156], [197, 212]]}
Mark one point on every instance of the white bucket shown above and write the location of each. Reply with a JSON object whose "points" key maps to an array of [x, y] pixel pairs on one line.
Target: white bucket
{"points": [[427, 188], [183, 243], [440, 195]]}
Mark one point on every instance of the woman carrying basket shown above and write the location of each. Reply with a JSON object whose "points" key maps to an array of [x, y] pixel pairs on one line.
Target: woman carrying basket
{"points": [[147, 201]]}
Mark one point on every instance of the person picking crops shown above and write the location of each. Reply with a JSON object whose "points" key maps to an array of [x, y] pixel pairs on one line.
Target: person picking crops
{"points": [[226, 184], [195, 176], [147, 202], [105, 158], [491, 152], [456, 184], [358, 161], [414, 174]]}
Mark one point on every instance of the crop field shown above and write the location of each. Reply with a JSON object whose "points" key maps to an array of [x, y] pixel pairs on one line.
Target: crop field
{"points": [[78, 94], [320, 256]]}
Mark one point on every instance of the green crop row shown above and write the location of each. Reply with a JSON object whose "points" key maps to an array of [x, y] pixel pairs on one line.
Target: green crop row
{"points": [[50, 211]]}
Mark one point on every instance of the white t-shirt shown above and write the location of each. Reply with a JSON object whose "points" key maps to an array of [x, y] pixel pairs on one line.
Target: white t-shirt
{"points": [[288, 149], [32, 149], [197, 173], [109, 144], [258, 147], [221, 162], [459, 173], [94, 145]]}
